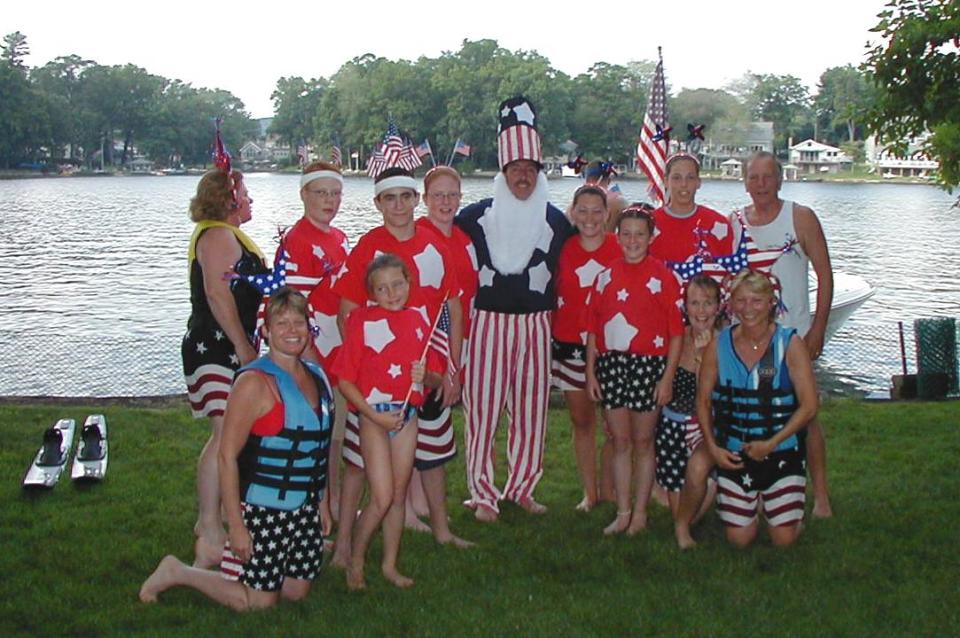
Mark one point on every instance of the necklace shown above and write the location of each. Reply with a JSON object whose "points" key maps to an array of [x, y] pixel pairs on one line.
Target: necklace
{"points": [[756, 345]]}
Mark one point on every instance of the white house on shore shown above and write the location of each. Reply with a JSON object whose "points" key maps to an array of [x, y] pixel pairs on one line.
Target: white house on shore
{"points": [[812, 157], [735, 142], [915, 164]]}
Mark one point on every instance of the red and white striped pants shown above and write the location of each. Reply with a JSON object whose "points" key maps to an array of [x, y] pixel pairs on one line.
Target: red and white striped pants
{"points": [[509, 367]]}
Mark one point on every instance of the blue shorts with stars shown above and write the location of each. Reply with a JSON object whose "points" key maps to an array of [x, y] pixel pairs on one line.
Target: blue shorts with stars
{"points": [[286, 544]]}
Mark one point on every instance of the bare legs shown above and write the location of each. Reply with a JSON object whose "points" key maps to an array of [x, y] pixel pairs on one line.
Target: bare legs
{"points": [[388, 466], [584, 420], [171, 572], [632, 450], [435, 488], [693, 501], [351, 490], [209, 526], [817, 464]]}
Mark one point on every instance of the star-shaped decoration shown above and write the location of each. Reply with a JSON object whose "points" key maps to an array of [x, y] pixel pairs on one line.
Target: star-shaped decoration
{"points": [[430, 264], [602, 280], [560, 302], [539, 277], [318, 252], [655, 285], [486, 276], [377, 395], [201, 348], [662, 134], [546, 238], [577, 354], [218, 335], [746, 480], [377, 334], [328, 335], [505, 111], [622, 294], [618, 333], [719, 230], [588, 272], [234, 359], [524, 113], [781, 464], [395, 370], [658, 342], [419, 332]]}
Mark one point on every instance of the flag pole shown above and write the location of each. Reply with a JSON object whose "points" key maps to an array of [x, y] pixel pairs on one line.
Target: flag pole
{"points": [[453, 153], [426, 348]]}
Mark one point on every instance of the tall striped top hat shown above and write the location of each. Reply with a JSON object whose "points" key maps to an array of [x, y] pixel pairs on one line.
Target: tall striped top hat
{"points": [[517, 136]]}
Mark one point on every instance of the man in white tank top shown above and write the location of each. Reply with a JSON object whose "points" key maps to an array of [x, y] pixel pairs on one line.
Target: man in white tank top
{"points": [[790, 237]]}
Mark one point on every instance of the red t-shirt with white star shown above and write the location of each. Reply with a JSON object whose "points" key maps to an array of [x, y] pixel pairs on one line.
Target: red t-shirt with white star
{"points": [[464, 260], [432, 277], [633, 308], [676, 239], [379, 347], [314, 261], [576, 271]]}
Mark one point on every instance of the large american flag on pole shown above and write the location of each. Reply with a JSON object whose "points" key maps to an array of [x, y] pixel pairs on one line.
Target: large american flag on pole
{"points": [[393, 151], [654, 136]]}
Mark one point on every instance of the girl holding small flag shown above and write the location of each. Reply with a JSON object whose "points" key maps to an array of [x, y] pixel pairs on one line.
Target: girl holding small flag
{"points": [[381, 372]]}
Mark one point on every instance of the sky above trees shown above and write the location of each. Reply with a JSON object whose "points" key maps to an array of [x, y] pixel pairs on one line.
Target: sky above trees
{"points": [[245, 51]]}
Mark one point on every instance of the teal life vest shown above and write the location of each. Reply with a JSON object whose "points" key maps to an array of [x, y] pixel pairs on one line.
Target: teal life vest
{"points": [[753, 404], [283, 470]]}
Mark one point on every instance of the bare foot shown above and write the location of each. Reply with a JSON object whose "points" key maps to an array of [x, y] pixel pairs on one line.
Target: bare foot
{"points": [[485, 514], [355, 580], [585, 505], [531, 506], [470, 504], [637, 524], [341, 559], [684, 539], [397, 578], [456, 541], [659, 495], [412, 522], [822, 509], [206, 553], [162, 578], [618, 525]]}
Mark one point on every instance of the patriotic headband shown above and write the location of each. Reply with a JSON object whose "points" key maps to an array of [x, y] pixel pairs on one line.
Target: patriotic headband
{"points": [[397, 181], [306, 178]]}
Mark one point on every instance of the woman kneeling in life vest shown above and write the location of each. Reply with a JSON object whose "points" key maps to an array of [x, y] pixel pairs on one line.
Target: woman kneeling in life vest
{"points": [[755, 395], [273, 470]]}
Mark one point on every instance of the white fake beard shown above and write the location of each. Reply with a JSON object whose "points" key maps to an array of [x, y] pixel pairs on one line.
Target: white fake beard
{"points": [[513, 226]]}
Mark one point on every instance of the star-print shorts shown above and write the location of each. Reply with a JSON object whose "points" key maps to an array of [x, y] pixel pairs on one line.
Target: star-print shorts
{"points": [[569, 365], [678, 435], [777, 483], [628, 380], [209, 364], [286, 544]]}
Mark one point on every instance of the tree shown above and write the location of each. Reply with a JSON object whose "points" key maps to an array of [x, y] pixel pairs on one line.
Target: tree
{"points": [[915, 71], [14, 49], [842, 100], [295, 103], [780, 99], [609, 101], [710, 107]]}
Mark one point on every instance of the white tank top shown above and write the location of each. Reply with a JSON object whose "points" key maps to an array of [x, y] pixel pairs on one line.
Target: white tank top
{"points": [[777, 242]]}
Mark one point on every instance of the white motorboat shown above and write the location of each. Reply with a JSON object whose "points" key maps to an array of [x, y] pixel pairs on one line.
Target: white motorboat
{"points": [[849, 293]]}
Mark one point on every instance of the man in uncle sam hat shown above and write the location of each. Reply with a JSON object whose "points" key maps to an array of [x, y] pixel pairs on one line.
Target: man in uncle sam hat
{"points": [[517, 236]]}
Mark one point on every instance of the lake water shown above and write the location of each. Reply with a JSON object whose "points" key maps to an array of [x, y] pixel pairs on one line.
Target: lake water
{"points": [[96, 296]]}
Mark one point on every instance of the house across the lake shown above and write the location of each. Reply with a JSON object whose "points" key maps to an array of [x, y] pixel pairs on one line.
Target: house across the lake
{"points": [[812, 157]]}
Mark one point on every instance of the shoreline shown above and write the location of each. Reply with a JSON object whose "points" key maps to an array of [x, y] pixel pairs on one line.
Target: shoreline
{"points": [[32, 175]]}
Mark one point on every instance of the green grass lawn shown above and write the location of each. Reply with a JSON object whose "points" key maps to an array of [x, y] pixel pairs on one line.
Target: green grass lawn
{"points": [[73, 559]]}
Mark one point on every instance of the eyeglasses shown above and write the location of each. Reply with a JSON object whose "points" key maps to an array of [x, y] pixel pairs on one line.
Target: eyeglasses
{"points": [[323, 193], [442, 196]]}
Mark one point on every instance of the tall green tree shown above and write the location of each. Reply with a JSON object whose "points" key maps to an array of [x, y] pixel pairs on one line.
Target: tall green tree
{"points": [[843, 97], [711, 107], [609, 101], [915, 71], [295, 104], [15, 48], [781, 99]]}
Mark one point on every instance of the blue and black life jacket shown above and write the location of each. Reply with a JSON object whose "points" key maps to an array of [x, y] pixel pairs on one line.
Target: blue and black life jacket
{"points": [[753, 404], [283, 470]]}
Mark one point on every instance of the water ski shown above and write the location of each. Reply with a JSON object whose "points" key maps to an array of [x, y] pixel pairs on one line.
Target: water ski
{"points": [[48, 465], [90, 463]]}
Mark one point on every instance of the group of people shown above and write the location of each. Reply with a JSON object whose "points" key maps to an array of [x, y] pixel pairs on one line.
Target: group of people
{"points": [[371, 347]]}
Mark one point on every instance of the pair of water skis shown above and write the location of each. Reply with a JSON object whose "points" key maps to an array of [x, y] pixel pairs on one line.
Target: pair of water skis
{"points": [[89, 461]]}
